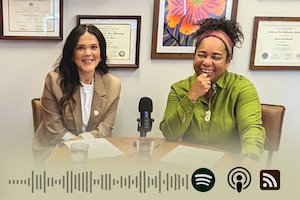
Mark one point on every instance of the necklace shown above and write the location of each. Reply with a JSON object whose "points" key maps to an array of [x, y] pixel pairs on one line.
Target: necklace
{"points": [[208, 113]]}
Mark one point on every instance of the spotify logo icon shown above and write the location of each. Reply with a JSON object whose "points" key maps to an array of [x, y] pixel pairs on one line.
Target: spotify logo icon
{"points": [[203, 180]]}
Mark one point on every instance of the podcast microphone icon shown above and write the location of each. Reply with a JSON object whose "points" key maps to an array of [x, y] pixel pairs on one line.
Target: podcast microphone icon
{"points": [[239, 184], [239, 178]]}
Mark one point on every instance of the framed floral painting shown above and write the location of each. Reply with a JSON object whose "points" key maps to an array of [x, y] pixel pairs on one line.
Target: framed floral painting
{"points": [[173, 24]]}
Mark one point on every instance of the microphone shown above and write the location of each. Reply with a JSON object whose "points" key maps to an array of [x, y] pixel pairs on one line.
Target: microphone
{"points": [[145, 121]]}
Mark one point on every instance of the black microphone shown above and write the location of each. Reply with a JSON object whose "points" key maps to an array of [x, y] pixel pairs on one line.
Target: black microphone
{"points": [[145, 121]]}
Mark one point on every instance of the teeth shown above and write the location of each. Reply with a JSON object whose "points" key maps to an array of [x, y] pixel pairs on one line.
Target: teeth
{"points": [[207, 71]]}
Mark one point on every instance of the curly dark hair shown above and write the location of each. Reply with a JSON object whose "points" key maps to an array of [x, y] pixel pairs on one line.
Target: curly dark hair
{"points": [[67, 68], [231, 28]]}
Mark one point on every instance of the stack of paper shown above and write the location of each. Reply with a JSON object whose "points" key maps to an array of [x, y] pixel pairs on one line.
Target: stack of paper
{"points": [[99, 148], [192, 157]]}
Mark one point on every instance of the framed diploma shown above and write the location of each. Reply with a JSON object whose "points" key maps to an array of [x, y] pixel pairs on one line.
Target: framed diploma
{"points": [[173, 24], [122, 35], [31, 19], [276, 43]]}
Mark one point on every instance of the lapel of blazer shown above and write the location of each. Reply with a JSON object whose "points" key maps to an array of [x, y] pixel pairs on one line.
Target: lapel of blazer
{"points": [[99, 102], [77, 111]]}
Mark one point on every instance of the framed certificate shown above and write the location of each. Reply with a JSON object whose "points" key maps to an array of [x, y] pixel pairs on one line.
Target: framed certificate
{"points": [[276, 43], [31, 20], [173, 24], [122, 35]]}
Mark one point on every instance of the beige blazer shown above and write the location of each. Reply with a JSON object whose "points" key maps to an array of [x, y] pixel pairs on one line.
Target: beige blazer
{"points": [[54, 125]]}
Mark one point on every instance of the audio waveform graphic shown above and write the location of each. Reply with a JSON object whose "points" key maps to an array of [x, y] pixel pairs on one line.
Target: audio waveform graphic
{"points": [[85, 182]]}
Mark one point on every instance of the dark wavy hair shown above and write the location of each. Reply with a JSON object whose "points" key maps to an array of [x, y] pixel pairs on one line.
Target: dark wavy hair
{"points": [[67, 68], [231, 28]]}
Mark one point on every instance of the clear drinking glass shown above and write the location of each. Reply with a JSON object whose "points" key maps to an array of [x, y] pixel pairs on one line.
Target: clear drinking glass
{"points": [[79, 153], [145, 148]]}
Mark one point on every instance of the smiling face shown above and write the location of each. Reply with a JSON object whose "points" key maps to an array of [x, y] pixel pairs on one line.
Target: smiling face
{"points": [[210, 58], [87, 55]]}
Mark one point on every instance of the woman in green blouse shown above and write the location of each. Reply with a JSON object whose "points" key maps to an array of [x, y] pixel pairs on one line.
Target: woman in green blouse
{"points": [[214, 106]]}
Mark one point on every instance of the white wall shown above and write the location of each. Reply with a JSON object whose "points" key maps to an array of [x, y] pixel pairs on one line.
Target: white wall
{"points": [[24, 64]]}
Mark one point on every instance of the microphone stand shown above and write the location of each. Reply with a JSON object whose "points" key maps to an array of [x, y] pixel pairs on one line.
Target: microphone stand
{"points": [[142, 130]]}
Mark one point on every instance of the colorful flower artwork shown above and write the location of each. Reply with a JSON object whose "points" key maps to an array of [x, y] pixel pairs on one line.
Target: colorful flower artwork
{"points": [[181, 15]]}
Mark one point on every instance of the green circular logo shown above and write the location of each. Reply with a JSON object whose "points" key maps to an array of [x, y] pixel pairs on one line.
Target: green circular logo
{"points": [[203, 179]]}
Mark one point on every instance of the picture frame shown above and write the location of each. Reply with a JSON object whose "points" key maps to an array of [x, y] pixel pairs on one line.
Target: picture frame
{"points": [[122, 35], [275, 43], [31, 20], [174, 39]]}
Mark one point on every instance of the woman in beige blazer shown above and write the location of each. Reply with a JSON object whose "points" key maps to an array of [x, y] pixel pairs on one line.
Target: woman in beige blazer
{"points": [[80, 97]]}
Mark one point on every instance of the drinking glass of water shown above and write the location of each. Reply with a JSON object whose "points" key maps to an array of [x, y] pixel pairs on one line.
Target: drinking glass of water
{"points": [[145, 148], [79, 153]]}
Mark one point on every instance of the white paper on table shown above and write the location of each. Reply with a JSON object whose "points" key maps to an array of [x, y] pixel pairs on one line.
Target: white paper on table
{"points": [[192, 157], [98, 148]]}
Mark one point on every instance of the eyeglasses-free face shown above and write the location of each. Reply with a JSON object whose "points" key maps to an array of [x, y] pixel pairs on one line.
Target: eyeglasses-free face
{"points": [[87, 55], [210, 58]]}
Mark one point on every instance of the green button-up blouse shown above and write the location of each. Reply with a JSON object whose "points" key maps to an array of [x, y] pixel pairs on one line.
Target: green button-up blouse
{"points": [[235, 123]]}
